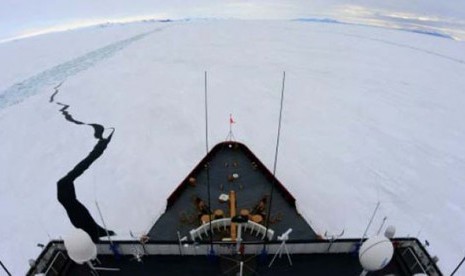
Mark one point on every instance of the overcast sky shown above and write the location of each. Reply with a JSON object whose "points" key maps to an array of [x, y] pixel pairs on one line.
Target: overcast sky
{"points": [[23, 17]]}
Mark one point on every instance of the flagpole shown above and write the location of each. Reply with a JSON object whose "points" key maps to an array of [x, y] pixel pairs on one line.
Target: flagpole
{"points": [[230, 136]]}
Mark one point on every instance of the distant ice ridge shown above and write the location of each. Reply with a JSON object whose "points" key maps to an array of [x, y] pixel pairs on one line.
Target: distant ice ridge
{"points": [[402, 26], [320, 20], [57, 74]]}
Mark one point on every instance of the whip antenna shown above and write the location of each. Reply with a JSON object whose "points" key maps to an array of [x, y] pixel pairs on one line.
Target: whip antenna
{"points": [[206, 114], [207, 166], [275, 162]]}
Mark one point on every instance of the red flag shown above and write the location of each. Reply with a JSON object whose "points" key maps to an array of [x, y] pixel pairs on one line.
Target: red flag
{"points": [[231, 120]]}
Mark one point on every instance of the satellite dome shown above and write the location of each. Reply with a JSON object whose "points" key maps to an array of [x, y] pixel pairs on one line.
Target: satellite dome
{"points": [[376, 253], [80, 246], [390, 232]]}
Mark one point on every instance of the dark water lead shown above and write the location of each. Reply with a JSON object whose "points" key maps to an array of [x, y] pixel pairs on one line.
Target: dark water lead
{"points": [[77, 212]]}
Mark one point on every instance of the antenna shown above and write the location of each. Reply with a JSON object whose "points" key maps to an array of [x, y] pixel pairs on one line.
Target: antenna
{"points": [[206, 114], [207, 166], [458, 266], [103, 222], [381, 226], [275, 162], [371, 220], [4, 268], [113, 246]]}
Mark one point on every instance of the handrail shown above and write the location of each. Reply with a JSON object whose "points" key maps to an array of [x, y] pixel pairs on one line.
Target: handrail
{"points": [[53, 262], [226, 222]]}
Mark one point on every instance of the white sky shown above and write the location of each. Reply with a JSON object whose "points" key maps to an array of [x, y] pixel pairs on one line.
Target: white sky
{"points": [[26, 17]]}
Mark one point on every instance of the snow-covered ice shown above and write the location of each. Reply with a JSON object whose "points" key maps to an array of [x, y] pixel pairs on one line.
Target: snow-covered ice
{"points": [[370, 115]]}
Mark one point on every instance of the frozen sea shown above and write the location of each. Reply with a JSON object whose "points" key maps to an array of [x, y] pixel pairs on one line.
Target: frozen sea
{"points": [[370, 114]]}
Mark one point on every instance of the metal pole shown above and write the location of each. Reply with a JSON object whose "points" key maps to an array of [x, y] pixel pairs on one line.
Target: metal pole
{"points": [[230, 124], [381, 226], [458, 266], [206, 114], [180, 244], [279, 126], [239, 237], [275, 161], [371, 220], [4, 268], [207, 164], [103, 222]]}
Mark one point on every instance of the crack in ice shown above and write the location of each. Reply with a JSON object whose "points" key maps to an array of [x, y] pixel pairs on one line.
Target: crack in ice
{"points": [[78, 214]]}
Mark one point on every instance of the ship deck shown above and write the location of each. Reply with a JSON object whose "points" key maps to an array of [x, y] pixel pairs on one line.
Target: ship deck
{"points": [[252, 184]]}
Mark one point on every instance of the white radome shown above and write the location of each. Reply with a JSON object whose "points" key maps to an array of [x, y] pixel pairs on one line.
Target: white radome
{"points": [[390, 232], [375, 253], [80, 246]]}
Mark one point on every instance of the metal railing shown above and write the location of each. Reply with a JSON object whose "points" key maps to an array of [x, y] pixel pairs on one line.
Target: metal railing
{"points": [[217, 224], [421, 257], [52, 268]]}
